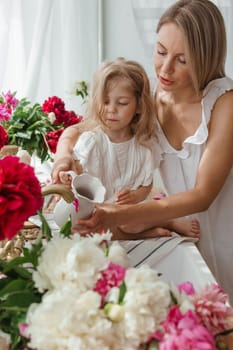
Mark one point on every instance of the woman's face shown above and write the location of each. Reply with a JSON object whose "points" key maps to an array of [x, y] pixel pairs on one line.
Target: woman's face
{"points": [[170, 61]]}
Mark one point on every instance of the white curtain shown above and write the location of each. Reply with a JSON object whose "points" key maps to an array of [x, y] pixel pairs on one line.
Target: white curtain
{"points": [[47, 45], [148, 12]]}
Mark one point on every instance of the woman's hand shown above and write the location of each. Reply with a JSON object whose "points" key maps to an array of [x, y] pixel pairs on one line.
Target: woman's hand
{"points": [[101, 219]]}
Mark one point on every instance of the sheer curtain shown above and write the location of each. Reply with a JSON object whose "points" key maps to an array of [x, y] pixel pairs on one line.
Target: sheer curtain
{"points": [[47, 45], [148, 12]]}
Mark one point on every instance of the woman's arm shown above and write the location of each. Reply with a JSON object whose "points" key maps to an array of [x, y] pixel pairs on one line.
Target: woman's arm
{"points": [[214, 167]]}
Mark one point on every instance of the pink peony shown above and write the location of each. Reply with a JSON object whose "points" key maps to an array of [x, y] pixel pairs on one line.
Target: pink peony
{"points": [[20, 195], [212, 309], [5, 112], [23, 329], [11, 100], [187, 288], [184, 332], [7, 105], [111, 277]]}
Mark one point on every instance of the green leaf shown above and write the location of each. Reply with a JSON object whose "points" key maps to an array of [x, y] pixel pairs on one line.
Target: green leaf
{"points": [[46, 230], [19, 301], [10, 270], [13, 286], [9, 323], [66, 229], [33, 253], [154, 345], [123, 290]]}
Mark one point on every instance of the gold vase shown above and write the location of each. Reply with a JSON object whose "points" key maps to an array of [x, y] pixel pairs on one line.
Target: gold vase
{"points": [[8, 149], [10, 249]]}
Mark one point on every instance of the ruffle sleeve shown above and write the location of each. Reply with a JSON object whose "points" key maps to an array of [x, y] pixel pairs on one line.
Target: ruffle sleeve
{"points": [[212, 92], [85, 150]]}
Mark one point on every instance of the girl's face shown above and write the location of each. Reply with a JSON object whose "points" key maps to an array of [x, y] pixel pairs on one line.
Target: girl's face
{"points": [[120, 105], [169, 60]]}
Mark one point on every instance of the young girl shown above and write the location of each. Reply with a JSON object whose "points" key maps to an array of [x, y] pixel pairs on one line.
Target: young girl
{"points": [[119, 149]]}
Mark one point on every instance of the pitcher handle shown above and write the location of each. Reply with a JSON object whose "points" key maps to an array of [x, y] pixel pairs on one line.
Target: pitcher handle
{"points": [[59, 189]]}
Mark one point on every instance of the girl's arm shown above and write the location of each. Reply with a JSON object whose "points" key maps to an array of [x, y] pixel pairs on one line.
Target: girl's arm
{"points": [[214, 167], [63, 160]]}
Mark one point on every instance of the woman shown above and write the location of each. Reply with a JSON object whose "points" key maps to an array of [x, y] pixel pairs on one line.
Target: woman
{"points": [[194, 102]]}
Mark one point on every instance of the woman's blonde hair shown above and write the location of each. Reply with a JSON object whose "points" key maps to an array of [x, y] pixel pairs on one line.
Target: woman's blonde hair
{"points": [[205, 38], [143, 123]]}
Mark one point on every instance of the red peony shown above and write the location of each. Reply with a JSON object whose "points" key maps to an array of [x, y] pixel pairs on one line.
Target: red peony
{"points": [[3, 137], [52, 138], [53, 104], [20, 195], [71, 118], [62, 116]]}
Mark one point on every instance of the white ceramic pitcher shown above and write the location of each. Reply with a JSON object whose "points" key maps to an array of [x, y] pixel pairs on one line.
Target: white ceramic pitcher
{"points": [[87, 191]]}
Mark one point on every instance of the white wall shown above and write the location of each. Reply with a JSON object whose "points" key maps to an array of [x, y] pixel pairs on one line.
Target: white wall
{"points": [[121, 36]]}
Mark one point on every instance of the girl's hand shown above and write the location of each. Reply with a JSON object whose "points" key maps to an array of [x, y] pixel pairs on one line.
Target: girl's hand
{"points": [[126, 196], [137, 195], [65, 178], [64, 164]]}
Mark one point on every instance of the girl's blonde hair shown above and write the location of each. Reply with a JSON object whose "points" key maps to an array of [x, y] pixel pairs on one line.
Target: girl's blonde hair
{"points": [[205, 38], [143, 123]]}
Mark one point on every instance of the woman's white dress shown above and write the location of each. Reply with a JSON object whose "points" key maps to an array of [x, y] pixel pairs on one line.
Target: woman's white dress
{"points": [[178, 170]]}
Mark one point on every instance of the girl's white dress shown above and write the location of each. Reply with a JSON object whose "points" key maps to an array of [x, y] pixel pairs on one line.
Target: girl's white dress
{"points": [[178, 170], [117, 165]]}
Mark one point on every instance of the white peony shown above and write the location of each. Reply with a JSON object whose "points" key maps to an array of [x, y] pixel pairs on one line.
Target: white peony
{"points": [[118, 255], [51, 117], [65, 320], [52, 264], [98, 238], [145, 304], [83, 263], [64, 260], [184, 300]]}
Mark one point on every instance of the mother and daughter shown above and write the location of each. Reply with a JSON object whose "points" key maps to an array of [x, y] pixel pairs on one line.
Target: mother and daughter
{"points": [[188, 137]]}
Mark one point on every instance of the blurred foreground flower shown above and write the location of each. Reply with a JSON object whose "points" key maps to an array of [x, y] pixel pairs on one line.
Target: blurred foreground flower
{"points": [[20, 195]]}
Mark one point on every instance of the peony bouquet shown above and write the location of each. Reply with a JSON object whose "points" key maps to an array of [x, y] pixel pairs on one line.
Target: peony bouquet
{"points": [[69, 292], [34, 128], [83, 295]]}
